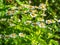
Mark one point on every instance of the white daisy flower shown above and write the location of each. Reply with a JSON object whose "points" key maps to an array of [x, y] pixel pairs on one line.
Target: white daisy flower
{"points": [[36, 6], [48, 21], [33, 15], [33, 11], [42, 6], [10, 12], [42, 25], [32, 7], [13, 35], [21, 35], [35, 23]]}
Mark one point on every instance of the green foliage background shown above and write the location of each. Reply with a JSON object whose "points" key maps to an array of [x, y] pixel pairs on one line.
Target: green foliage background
{"points": [[34, 34]]}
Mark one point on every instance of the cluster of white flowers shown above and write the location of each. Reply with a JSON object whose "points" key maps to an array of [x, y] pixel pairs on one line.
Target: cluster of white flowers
{"points": [[42, 6], [40, 24], [21, 35], [13, 35], [12, 11], [50, 21]]}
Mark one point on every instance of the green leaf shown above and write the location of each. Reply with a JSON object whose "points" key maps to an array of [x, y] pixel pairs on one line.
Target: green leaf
{"points": [[53, 42]]}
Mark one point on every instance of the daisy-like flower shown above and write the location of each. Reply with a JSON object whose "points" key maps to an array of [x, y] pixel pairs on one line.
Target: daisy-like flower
{"points": [[48, 21], [43, 14], [34, 11], [35, 23], [27, 22], [33, 15], [42, 25], [32, 7], [10, 12], [13, 35], [21, 35], [36, 6], [42, 6]]}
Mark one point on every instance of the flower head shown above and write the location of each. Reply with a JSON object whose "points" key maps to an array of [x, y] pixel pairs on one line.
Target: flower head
{"points": [[13, 35], [48, 21], [42, 25], [21, 35], [32, 7], [33, 15], [35, 23], [42, 6]]}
